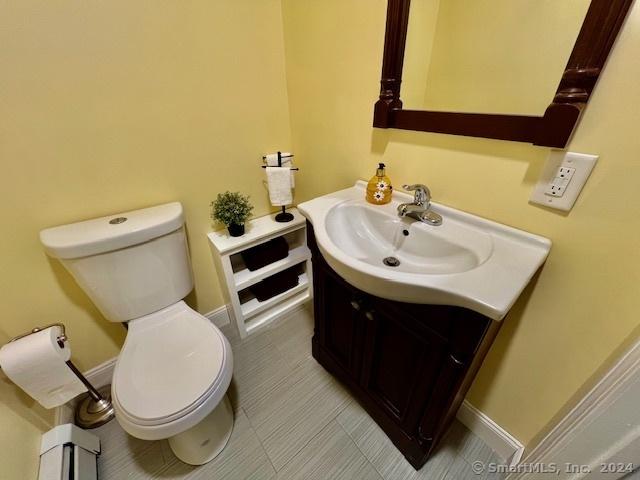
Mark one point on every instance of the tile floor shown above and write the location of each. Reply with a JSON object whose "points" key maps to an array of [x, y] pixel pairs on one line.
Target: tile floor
{"points": [[293, 421]]}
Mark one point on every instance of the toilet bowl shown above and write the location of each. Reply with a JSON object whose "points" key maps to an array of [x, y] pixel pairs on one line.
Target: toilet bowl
{"points": [[174, 369], [172, 374]]}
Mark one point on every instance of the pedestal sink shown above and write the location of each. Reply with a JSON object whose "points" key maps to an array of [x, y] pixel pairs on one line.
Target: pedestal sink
{"points": [[467, 261]]}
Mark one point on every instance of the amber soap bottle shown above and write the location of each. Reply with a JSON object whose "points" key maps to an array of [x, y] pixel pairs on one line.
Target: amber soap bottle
{"points": [[379, 188]]}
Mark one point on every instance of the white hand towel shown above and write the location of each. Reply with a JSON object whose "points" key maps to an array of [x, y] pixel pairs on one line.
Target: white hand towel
{"points": [[285, 160], [36, 363], [279, 183]]}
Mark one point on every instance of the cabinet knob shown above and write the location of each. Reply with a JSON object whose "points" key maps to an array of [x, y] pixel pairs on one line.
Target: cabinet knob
{"points": [[369, 315], [355, 305]]}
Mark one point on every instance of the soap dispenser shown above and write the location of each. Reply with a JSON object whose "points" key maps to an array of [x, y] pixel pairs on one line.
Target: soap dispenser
{"points": [[379, 188]]}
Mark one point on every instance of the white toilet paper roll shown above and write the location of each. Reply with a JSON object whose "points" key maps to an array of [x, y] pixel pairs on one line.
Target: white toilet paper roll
{"points": [[36, 363]]}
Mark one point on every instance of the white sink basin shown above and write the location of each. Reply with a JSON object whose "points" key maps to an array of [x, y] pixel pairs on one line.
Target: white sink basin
{"points": [[467, 261], [369, 234]]}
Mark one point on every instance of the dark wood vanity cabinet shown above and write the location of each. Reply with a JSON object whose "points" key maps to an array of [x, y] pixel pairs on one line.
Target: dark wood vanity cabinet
{"points": [[409, 365]]}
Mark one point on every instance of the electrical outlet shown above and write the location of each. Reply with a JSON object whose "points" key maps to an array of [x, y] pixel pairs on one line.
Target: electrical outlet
{"points": [[566, 173], [555, 190], [558, 185], [563, 178]]}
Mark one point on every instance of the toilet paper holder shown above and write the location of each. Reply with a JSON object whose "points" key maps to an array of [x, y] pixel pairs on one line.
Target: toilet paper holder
{"points": [[94, 410], [61, 338]]}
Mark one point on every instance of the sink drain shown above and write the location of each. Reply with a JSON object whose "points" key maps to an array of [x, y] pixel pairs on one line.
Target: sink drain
{"points": [[391, 262]]}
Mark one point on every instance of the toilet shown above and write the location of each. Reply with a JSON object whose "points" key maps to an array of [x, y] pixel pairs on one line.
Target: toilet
{"points": [[173, 372]]}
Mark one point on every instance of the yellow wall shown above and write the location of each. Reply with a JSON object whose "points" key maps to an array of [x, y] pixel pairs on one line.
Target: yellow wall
{"points": [[23, 421], [585, 301], [423, 21], [485, 51], [110, 106]]}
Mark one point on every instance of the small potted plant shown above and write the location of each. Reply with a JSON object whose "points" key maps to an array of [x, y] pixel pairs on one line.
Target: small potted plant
{"points": [[232, 209]]}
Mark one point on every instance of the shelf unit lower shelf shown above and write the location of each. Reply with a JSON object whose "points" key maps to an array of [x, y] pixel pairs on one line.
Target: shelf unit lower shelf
{"points": [[248, 313], [245, 277], [253, 307], [277, 311]]}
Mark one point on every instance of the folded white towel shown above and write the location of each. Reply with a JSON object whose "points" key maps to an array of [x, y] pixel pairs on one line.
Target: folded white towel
{"points": [[279, 183], [285, 160]]}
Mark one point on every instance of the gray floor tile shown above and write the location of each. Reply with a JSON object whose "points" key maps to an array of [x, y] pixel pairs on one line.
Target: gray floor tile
{"points": [[468, 445], [293, 411], [381, 452], [124, 456], [329, 455], [292, 337], [635, 475], [493, 476], [292, 418], [495, 460], [461, 470], [242, 458], [231, 332], [264, 359], [257, 366]]}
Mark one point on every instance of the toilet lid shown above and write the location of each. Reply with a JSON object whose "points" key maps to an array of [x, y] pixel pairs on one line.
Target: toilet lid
{"points": [[169, 361]]}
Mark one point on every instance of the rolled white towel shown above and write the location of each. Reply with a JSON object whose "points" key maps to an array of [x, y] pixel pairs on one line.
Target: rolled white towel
{"points": [[279, 183]]}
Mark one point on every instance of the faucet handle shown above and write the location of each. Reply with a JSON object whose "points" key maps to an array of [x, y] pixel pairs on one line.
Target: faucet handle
{"points": [[421, 195]]}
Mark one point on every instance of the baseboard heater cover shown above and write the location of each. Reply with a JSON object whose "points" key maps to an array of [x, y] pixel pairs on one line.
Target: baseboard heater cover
{"points": [[69, 453]]}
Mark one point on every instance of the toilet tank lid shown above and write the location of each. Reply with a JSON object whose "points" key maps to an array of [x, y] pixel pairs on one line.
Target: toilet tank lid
{"points": [[112, 232]]}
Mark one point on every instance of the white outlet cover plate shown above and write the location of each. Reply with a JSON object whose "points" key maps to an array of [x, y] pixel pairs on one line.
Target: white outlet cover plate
{"points": [[583, 165]]}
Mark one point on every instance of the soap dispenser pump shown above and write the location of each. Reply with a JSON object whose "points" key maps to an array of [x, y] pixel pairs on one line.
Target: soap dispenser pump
{"points": [[379, 188]]}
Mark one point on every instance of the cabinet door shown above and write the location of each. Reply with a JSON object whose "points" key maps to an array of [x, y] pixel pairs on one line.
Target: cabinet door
{"points": [[401, 359], [446, 387], [338, 319]]}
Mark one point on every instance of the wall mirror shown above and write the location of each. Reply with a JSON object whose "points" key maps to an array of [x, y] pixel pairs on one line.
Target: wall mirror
{"points": [[519, 70]]}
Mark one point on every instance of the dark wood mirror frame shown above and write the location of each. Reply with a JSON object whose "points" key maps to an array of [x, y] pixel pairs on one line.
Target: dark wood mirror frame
{"points": [[599, 30]]}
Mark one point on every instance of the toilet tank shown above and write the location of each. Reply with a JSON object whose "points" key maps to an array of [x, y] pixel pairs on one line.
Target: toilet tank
{"points": [[130, 264]]}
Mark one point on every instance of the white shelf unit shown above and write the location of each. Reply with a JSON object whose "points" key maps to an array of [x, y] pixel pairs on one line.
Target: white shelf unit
{"points": [[248, 313]]}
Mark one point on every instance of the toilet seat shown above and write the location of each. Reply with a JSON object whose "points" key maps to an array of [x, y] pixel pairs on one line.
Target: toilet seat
{"points": [[173, 370]]}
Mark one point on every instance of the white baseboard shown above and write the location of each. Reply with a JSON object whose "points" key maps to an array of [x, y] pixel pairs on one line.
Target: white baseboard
{"points": [[101, 375], [219, 317], [502, 442]]}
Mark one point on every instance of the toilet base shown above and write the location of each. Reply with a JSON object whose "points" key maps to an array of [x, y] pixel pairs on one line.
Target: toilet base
{"points": [[204, 441]]}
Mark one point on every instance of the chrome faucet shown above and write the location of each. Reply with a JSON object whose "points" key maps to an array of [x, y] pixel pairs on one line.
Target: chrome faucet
{"points": [[420, 209]]}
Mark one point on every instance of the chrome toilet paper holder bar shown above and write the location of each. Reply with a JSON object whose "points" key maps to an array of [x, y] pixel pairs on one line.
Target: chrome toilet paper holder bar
{"points": [[96, 409], [61, 338]]}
